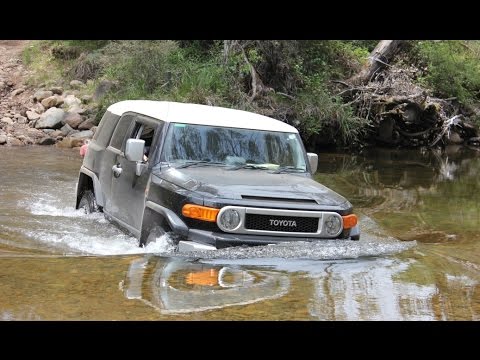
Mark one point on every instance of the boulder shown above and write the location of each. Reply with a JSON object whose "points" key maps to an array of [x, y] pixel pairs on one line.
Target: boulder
{"points": [[38, 108], [56, 134], [49, 102], [86, 125], [6, 120], [41, 94], [46, 141], [60, 100], [50, 119], [25, 139], [86, 134], [3, 139], [71, 100], [32, 115], [35, 133], [76, 84], [73, 119], [57, 90], [66, 129], [76, 109]]}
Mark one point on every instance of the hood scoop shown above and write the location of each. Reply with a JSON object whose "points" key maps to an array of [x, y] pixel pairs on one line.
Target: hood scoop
{"points": [[283, 200]]}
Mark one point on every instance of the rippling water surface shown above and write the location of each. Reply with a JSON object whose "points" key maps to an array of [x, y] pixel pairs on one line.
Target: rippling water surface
{"points": [[418, 257]]}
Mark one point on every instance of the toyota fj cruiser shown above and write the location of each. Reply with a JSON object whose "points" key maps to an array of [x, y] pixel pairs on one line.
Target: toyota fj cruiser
{"points": [[211, 177]]}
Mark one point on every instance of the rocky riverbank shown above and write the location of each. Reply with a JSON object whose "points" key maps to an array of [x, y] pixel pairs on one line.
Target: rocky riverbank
{"points": [[45, 115]]}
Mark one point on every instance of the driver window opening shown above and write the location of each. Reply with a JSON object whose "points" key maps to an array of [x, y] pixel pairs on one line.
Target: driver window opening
{"points": [[144, 132]]}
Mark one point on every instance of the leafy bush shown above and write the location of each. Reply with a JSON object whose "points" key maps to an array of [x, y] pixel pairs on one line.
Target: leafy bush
{"points": [[163, 70], [319, 112], [453, 69]]}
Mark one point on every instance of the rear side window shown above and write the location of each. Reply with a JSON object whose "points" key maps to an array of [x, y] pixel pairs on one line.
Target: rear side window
{"points": [[121, 131]]}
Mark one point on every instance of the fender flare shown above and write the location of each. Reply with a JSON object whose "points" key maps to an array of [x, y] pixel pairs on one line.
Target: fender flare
{"points": [[83, 177], [156, 215], [170, 217]]}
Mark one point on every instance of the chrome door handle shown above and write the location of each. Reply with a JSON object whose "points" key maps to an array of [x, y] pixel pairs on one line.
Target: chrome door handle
{"points": [[117, 170]]}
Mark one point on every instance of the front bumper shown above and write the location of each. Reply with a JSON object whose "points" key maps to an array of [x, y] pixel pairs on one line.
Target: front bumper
{"points": [[222, 240]]}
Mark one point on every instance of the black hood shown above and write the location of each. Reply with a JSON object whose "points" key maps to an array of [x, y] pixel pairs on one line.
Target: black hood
{"points": [[219, 182]]}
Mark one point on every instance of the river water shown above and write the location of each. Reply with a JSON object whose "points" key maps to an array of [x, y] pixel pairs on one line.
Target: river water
{"points": [[418, 257]]}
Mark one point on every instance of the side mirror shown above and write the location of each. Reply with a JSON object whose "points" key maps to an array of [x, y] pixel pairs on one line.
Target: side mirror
{"points": [[313, 160], [134, 149]]}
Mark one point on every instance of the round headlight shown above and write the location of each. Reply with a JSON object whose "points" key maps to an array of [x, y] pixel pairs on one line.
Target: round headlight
{"points": [[332, 225], [229, 219]]}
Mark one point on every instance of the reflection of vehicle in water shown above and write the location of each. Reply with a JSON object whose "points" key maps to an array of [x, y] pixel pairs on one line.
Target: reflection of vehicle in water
{"points": [[180, 286]]}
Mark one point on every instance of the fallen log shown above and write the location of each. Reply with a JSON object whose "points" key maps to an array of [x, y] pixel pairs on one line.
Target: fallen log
{"points": [[378, 59]]}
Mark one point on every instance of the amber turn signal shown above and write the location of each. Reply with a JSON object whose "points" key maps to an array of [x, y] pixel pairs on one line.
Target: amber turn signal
{"points": [[200, 212], [349, 221], [205, 278]]}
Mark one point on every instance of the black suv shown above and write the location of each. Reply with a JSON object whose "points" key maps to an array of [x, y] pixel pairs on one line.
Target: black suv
{"points": [[209, 176]]}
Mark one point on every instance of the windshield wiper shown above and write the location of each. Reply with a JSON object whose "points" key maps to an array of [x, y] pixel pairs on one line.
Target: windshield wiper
{"points": [[198, 162], [288, 169], [249, 166]]}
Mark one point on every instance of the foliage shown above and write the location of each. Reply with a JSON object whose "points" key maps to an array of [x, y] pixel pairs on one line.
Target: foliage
{"points": [[453, 68], [319, 112], [295, 74], [162, 70]]}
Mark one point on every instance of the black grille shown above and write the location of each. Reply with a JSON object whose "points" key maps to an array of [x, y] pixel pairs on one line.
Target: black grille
{"points": [[281, 223]]}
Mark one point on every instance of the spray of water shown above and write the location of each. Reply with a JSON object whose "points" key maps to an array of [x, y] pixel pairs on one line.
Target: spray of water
{"points": [[73, 232]]}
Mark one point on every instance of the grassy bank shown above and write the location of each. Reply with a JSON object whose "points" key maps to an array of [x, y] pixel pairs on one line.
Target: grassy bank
{"points": [[296, 80]]}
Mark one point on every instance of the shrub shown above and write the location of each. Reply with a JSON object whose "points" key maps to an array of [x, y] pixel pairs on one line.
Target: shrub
{"points": [[318, 112], [453, 69]]}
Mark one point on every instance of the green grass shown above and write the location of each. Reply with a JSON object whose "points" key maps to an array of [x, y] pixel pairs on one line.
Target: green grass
{"points": [[44, 68]]}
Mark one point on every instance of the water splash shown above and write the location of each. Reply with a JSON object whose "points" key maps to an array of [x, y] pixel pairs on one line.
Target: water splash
{"points": [[74, 232], [321, 250]]}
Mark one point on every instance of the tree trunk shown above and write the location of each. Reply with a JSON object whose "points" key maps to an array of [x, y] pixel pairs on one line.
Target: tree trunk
{"points": [[380, 56]]}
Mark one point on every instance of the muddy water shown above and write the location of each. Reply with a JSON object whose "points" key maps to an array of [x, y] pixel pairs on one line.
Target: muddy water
{"points": [[418, 258]]}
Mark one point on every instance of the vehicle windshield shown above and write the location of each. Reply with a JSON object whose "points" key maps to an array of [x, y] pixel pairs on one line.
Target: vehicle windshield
{"points": [[239, 148]]}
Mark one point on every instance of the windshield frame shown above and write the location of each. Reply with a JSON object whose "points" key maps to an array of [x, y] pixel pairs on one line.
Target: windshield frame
{"points": [[160, 157]]}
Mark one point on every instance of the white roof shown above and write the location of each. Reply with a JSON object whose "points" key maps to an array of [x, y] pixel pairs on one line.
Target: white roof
{"points": [[201, 115]]}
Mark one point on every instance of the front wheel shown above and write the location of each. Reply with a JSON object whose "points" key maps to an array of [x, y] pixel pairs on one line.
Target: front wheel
{"points": [[171, 241], [155, 233], [88, 202]]}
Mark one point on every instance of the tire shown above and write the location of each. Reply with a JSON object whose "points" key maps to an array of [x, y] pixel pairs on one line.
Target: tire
{"points": [[155, 233], [159, 231], [88, 202]]}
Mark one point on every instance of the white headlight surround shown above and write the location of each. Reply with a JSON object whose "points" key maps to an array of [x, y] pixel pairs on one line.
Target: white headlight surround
{"points": [[229, 219], [332, 225]]}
